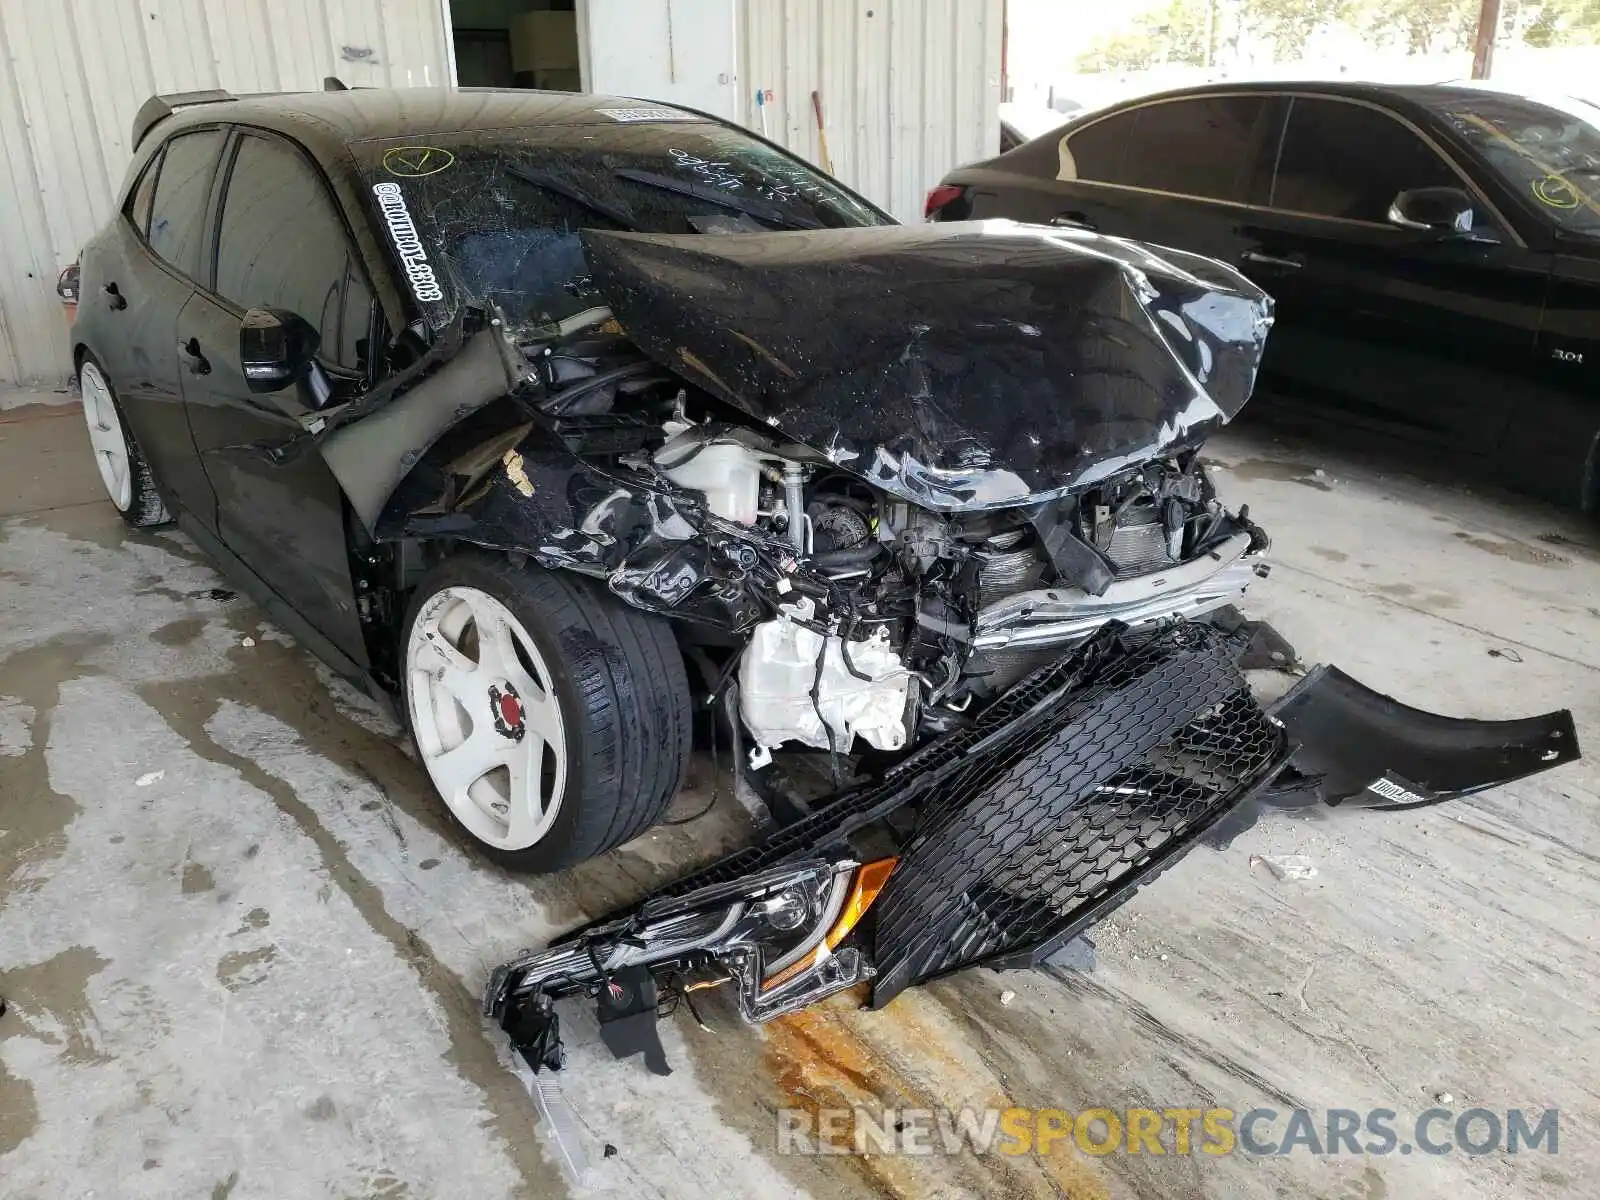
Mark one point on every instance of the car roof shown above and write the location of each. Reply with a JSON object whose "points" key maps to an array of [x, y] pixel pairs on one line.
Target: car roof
{"points": [[1423, 94], [329, 119]]}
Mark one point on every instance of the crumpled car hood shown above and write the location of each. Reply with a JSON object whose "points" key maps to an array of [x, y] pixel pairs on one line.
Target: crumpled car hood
{"points": [[962, 366]]}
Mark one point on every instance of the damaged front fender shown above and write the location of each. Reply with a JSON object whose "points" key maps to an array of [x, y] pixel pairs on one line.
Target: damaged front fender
{"points": [[504, 482]]}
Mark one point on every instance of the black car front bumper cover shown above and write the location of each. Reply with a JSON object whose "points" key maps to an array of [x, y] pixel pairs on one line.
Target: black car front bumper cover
{"points": [[1078, 786]]}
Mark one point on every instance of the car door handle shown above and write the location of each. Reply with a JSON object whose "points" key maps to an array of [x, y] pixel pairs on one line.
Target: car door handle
{"points": [[1072, 220], [118, 300], [1280, 262], [198, 365]]}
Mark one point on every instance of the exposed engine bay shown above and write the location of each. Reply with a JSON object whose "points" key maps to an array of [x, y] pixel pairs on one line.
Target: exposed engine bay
{"points": [[866, 615], [894, 525], [938, 610]]}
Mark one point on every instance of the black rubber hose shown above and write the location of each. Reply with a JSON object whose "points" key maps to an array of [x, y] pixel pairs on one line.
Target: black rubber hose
{"points": [[844, 650], [848, 558], [561, 401]]}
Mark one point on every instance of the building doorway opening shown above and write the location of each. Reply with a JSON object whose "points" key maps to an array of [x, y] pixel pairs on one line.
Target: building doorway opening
{"points": [[516, 44]]}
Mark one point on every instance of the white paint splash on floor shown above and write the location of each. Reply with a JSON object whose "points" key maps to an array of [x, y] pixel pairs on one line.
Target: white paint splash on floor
{"points": [[241, 990]]}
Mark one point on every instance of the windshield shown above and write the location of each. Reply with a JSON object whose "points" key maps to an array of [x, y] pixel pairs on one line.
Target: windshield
{"points": [[494, 216], [1548, 150]]}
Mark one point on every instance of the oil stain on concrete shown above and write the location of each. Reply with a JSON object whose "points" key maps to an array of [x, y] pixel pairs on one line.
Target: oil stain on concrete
{"points": [[1507, 548], [196, 878], [244, 968], [180, 632]]}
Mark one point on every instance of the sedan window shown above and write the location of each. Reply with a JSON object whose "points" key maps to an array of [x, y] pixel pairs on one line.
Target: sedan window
{"points": [[178, 211], [1347, 160], [282, 245], [1205, 147], [1097, 152]]}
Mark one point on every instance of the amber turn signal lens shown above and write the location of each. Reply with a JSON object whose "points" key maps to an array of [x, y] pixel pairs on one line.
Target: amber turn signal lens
{"points": [[864, 889], [868, 883]]}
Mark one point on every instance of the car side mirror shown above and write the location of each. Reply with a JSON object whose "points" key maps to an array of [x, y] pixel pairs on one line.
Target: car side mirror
{"points": [[1447, 211], [276, 349]]}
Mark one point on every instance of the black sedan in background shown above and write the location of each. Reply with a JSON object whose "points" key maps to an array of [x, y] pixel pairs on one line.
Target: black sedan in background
{"points": [[1434, 251]]}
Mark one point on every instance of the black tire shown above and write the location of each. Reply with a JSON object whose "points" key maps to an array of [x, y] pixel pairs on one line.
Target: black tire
{"points": [[624, 695], [146, 509]]}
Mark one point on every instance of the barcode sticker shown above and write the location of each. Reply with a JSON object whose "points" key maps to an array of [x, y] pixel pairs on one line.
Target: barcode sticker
{"points": [[647, 113]]}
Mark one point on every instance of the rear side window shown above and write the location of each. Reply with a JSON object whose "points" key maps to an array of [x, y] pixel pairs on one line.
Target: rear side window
{"points": [[143, 194], [1347, 160], [1206, 147], [1097, 152], [178, 209], [282, 245]]}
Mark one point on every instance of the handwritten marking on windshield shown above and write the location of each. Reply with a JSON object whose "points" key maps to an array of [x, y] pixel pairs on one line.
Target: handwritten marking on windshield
{"points": [[724, 174], [413, 162], [1555, 191], [648, 113], [718, 174]]}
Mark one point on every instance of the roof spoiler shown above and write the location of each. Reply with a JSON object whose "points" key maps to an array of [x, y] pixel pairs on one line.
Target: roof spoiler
{"points": [[158, 108]]}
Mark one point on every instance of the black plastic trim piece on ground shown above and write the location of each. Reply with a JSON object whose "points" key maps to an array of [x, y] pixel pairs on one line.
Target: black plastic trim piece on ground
{"points": [[1368, 750]]}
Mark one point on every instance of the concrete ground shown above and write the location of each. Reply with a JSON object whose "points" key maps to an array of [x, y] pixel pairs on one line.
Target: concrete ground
{"points": [[241, 950]]}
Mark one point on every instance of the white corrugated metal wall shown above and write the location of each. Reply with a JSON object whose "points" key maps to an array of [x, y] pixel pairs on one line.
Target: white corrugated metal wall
{"points": [[909, 88], [74, 72]]}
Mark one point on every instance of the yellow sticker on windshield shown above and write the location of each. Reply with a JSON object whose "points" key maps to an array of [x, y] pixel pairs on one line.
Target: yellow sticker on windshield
{"points": [[413, 162], [1555, 191]]}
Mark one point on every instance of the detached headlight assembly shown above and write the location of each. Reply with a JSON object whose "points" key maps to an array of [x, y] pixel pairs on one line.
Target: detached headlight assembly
{"points": [[777, 935]]}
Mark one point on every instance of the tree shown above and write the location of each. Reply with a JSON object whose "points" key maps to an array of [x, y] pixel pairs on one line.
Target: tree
{"points": [[1289, 24], [1421, 26], [1176, 32], [1562, 23]]}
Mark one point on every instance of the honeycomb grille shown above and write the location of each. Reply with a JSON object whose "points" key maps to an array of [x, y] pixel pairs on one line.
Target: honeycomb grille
{"points": [[1013, 852]]}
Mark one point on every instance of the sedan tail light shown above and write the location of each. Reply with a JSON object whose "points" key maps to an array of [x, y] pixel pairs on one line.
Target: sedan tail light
{"points": [[939, 198]]}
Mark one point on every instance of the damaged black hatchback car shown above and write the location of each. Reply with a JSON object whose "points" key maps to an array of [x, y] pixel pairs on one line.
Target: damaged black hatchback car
{"points": [[557, 419], [527, 410]]}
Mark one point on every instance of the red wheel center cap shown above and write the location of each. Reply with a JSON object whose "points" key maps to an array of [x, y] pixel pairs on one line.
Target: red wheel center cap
{"points": [[510, 709], [506, 708]]}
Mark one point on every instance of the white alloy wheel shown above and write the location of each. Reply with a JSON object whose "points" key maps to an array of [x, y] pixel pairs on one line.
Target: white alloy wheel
{"points": [[105, 436], [486, 717]]}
